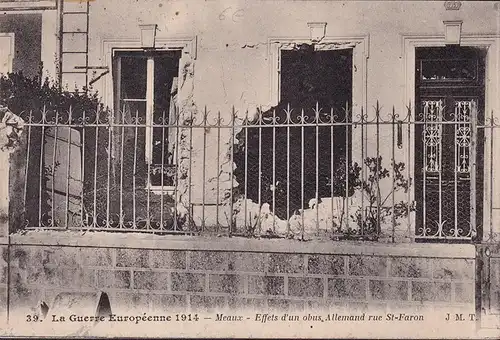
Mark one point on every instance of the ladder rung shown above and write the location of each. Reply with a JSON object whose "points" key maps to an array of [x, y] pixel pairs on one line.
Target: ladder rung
{"points": [[74, 52], [77, 32], [75, 12], [73, 72]]}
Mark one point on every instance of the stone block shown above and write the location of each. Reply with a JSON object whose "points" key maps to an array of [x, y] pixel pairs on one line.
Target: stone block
{"points": [[231, 284], [189, 282], [113, 278], [347, 289], [388, 290], [348, 307], [246, 262], [495, 271], [278, 305], [61, 256], [296, 306], [3, 274], [37, 275], [131, 301], [317, 305], [379, 307], [168, 259], [495, 300], [151, 280], [305, 286], [326, 264], [453, 269], [367, 266], [408, 307], [3, 296], [410, 267], [431, 291], [4, 223], [24, 257], [5, 255], [18, 279], [207, 303], [132, 258], [464, 292], [96, 257], [286, 263], [170, 302], [206, 260], [266, 285], [61, 277], [24, 296], [84, 278], [238, 304]]}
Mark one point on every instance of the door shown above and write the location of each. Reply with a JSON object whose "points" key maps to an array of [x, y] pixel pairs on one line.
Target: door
{"points": [[449, 103]]}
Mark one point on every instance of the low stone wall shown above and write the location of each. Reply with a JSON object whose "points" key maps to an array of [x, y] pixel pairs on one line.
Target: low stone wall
{"points": [[221, 277]]}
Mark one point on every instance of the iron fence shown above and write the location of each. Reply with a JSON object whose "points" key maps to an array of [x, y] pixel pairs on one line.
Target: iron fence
{"points": [[285, 172]]}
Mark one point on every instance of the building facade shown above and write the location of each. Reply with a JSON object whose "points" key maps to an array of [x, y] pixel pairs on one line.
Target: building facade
{"points": [[344, 151]]}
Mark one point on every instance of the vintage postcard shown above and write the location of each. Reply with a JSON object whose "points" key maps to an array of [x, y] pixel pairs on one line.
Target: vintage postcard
{"points": [[250, 168]]}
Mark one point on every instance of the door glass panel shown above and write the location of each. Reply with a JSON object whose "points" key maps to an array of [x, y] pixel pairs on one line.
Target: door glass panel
{"points": [[459, 69]]}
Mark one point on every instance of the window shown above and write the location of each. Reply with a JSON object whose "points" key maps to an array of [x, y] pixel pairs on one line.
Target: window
{"points": [[145, 96], [299, 149], [449, 85]]}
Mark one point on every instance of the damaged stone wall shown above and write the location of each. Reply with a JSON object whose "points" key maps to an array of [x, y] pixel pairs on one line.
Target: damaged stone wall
{"points": [[205, 146]]}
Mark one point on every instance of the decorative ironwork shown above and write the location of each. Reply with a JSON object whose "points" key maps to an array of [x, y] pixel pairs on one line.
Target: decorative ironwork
{"points": [[445, 188], [433, 111], [462, 136], [87, 170]]}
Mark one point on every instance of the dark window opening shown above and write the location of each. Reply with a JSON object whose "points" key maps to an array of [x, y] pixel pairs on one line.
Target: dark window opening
{"points": [[296, 154]]}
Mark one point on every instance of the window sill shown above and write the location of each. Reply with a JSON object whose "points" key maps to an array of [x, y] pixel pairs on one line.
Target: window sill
{"points": [[183, 242]]}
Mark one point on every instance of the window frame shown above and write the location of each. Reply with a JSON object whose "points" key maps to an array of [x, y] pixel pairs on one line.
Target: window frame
{"points": [[150, 56], [186, 44], [490, 42], [360, 54]]}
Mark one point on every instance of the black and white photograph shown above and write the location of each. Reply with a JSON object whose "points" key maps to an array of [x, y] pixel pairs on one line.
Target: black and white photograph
{"points": [[250, 168]]}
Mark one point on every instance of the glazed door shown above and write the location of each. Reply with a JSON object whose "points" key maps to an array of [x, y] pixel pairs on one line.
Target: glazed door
{"points": [[448, 147]]}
